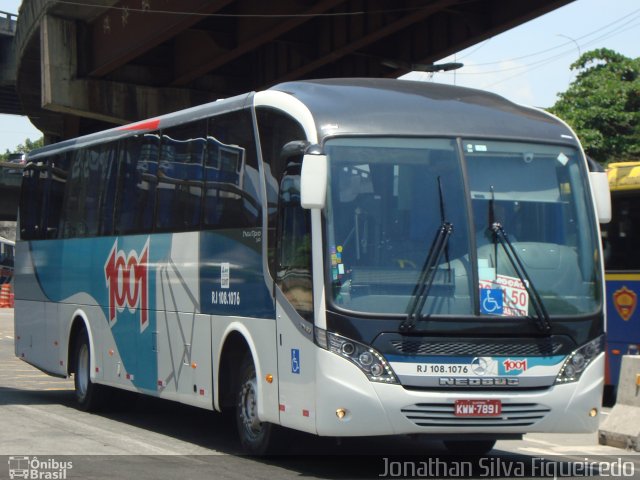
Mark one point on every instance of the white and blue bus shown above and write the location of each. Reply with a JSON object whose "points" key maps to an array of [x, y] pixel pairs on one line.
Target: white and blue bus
{"points": [[348, 257]]}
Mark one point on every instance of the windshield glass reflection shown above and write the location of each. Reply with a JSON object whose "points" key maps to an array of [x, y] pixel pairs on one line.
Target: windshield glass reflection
{"points": [[384, 209], [385, 205]]}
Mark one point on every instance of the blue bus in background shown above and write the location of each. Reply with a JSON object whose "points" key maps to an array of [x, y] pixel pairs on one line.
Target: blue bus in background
{"points": [[622, 266]]}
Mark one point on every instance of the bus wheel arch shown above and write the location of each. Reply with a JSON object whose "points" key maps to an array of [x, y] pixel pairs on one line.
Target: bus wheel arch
{"points": [[238, 393], [79, 327], [88, 394], [235, 349]]}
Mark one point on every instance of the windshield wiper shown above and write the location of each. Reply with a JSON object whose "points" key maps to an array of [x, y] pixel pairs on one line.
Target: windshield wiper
{"points": [[427, 276], [429, 269], [543, 321]]}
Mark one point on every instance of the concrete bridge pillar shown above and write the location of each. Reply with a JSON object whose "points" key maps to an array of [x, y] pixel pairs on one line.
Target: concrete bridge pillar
{"points": [[64, 91]]}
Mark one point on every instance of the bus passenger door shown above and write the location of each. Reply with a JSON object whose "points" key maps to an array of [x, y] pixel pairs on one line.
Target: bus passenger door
{"points": [[294, 305]]}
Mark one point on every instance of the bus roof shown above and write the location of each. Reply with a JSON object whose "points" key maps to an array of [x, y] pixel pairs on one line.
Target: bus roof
{"points": [[192, 114], [624, 176], [375, 106], [370, 106]]}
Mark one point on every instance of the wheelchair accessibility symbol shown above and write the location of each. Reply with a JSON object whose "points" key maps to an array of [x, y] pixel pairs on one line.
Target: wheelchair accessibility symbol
{"points": [[295, 361], [491, 301]]}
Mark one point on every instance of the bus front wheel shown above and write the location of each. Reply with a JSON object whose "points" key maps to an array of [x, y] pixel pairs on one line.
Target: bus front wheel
{"points": [[256, 437]]}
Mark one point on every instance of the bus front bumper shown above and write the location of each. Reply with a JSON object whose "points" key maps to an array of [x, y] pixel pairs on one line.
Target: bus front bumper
{"points": [[348, 404]]}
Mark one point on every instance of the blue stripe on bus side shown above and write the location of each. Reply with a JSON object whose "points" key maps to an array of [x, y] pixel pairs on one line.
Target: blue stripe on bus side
{"points": [[108, 270], [68, 267], [231, 278]]}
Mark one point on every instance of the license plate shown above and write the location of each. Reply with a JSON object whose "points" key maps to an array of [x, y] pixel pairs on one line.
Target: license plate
{"points": [[477, 408]]}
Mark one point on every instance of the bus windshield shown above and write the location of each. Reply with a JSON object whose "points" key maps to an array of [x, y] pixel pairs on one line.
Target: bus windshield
{"points": [[389, 197]]}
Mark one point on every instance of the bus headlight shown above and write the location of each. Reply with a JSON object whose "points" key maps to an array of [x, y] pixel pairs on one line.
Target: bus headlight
{"points": [[579, 360], [367, 359]]}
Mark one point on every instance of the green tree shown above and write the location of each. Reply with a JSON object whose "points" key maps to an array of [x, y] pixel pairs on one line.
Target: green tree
{"points": [[25, 147], [603, 105]]}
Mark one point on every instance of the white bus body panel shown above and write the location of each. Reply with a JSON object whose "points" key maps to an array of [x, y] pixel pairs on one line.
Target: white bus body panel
{"points": [[296, 356], [182, 337], [260, 335], [297, 368]]}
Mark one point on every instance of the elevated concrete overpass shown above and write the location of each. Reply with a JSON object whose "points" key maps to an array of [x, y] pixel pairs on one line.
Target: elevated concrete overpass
{"points": [[78, 66], [10, 174], [9, 102]]}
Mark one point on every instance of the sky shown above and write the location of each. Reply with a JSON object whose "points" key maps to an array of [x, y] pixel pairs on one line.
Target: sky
{"points": [[529, 64]]}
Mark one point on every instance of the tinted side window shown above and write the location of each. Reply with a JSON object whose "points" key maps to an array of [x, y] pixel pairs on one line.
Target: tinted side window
{"points": [[109, 159], [294, 245], [232, 198], [276, 129], [620, 236], [72, 222], [32, 200], [180, 174], [90, 176], [6, 256], [59, 169], [138, 174]]}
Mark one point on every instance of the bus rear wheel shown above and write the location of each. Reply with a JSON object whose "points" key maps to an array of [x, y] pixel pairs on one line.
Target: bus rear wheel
{"points": [[256, 437], [86, 392], [469, 447]]}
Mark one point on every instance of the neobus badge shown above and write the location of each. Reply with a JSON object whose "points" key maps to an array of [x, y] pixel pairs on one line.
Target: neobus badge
{"points": [[127, 280]]}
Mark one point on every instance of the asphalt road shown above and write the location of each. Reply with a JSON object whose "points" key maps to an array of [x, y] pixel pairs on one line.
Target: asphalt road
{"points": [[146, 438]]}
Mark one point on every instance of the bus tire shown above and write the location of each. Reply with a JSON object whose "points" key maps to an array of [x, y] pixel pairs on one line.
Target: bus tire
{"points": [[256, 437], [87, 393], [469, 447]]}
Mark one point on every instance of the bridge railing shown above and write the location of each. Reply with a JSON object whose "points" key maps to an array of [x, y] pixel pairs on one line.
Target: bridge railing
{"points": [[8, 23]]}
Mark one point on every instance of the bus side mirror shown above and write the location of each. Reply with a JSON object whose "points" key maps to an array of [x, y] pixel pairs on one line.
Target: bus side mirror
{"points": [[313, 181], [602, 194]]}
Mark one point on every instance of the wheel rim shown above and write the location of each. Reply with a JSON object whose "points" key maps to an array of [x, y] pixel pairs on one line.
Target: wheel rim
{"points": [[249, 411], [82, 372]]}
